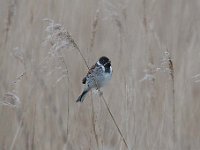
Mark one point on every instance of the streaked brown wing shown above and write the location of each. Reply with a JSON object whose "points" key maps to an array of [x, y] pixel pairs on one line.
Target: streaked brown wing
{"points": [[91, 69], [84, 80], [89, 72]]}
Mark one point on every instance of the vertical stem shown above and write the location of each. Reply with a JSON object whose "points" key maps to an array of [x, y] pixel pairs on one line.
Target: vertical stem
{"points": [[114, 121]]}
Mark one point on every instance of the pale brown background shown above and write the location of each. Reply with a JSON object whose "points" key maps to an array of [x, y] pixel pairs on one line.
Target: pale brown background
{"points": [[153, 110]]}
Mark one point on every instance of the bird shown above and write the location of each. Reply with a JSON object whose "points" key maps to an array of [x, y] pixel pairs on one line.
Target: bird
{"points": [[98, 75]]}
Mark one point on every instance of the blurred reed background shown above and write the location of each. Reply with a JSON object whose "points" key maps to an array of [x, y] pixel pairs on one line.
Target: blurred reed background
{"points": [[154, 94]]}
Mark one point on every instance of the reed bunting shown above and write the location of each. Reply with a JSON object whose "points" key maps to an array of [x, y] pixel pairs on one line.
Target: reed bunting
{"points": [[97, 76]]}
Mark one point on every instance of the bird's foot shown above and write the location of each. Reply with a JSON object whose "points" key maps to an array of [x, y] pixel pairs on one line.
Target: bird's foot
{"points": [[100, 92]]}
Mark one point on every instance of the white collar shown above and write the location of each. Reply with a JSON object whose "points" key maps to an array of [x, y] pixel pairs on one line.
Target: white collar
{"points": [[98, 63]]}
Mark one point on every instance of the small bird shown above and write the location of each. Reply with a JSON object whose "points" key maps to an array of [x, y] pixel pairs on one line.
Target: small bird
{"points": [[97, 76]]}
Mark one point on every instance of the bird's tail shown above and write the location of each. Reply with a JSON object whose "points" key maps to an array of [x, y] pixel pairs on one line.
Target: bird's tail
{"points": [[82, 96]]}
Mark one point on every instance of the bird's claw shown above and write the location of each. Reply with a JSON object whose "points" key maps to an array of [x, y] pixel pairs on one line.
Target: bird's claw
{"points": [[100, 92]]}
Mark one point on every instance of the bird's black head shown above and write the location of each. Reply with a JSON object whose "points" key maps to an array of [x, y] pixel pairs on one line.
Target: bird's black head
{"points": [[105, 61]]}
